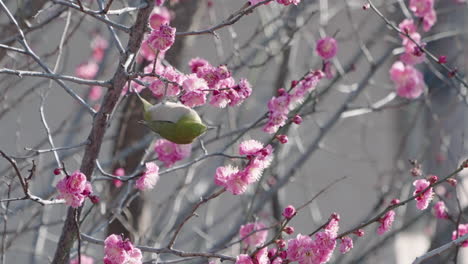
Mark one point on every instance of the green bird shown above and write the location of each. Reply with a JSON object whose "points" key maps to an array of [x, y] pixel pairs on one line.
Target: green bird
{"points": [[173, 121]]}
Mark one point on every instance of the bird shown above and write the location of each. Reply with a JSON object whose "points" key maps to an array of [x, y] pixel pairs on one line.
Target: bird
{"points": [[175, 122]]}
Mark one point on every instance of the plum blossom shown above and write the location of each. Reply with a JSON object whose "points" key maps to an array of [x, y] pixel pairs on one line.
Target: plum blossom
{"points": [[98, 45], [162, 38], [255, 239], [95, 93], [87, 70], [169, 152], [119, 251], [232, 179], [408, 81], [158, 87], [429, 20], [305, 250], [194, 91], [440, 210], [244, 259], [421, 7], [149, 178], [346, 245], [327, 48], [462, 230], [288, 2], [159, 16], [74, 189], [422, 199], [386, 222], [289, 212], [84, 260]]}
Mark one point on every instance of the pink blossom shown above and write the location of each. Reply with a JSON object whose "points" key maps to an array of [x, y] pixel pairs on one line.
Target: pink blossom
{"points": [[259, 158], [74, 189], [163, 38], [159, 16], [440, 210], [288, 2], [197, 63], [169, 152], [118, 172], [421, 7], [95, 93], [149, 178], [462, 230], [244, 259], [239, 93], [194, 94], [87, 70], [159, 87], [422, 199], [159, 2], [232, 179], [386, 222], [219, 99], [408, 81], [262, 257], [251, 238], [119, 251], [327, 48], [346, 245], [408, 27], [307, 251], [84, 260], [305, 86], [429, 20], [289, 212]]}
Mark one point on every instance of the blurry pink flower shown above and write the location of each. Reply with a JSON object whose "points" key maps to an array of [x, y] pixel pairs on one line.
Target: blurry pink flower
{"points": [[305, 86], [99, 46], [149, 178], [162, 38], [462, 230], [159, 16], [159, 2], [422, 199], [251, 238], [95, 93], [408, 81], [386, 222], [87, 70], [244, 259], [118, 172], [429, 20], [408, 27], [84, 260], [119, 251], [421, 7], [74, 189], [346, 245], [440, 210], [327, 48], [169, 152]]}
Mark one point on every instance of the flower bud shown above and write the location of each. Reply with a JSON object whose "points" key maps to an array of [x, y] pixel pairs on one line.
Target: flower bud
{"points": [[289, 212]]}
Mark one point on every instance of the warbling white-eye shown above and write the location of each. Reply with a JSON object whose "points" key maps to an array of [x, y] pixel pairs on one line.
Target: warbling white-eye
{"points": [[173, 121]]}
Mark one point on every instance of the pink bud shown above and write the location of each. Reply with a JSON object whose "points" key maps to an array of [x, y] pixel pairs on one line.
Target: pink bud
{"points": [[272, 253], [94, 199], [281, 91], [359, 232], [289, 212], [297, 119], [294, 83], [335, 216], [283, 254], [289, 230], [57, 171], [442, 59], [433, 179], [117, 183], [395, 201], [365, 6], [282, 138], [280, 243], [452, 181]]}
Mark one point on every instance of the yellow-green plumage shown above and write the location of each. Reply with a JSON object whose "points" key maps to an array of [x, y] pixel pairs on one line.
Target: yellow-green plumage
{"points": [[173, 121]]}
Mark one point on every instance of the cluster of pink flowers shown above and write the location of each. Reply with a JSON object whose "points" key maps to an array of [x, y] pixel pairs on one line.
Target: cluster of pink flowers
{"points": [[169, 152], [74, 189], [250, 235], [149, 177], [161, 38], [409, 81], [462, 230], [223, 88], [413, 54], [260, 258], [327, 48], [119, 251], [306, 250], [423, 198], [425, 10], [279, 106], [83, 260], [235, 180], [440, 210]]}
